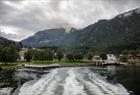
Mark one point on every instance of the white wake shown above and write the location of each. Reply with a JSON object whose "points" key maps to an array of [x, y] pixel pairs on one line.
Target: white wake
{"points": [[72, 81]]}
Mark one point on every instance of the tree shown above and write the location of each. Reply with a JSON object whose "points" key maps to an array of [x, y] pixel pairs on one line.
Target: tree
{"points": [[89, 56], [103, 56], [125, 52], [70, 57], [39, 55], [133, 52], [43, 55], [28, 56], [8, 54], [59, 55], [1, 53], [78, 56], [123, 59], [49, 54]]}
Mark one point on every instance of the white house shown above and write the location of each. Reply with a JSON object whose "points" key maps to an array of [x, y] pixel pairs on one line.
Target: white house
{"points": [[96, 59], [111, 59], [22, 54]]}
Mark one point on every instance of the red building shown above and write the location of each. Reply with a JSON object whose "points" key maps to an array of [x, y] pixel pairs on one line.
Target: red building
{"points": [[135, 58]]}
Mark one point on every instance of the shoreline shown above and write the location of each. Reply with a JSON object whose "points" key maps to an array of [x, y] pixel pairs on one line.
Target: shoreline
{"points": [[50, 66], [58, 65]]}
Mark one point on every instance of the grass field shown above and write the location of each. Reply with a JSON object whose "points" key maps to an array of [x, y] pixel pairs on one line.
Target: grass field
{"points": [[14, 64]]}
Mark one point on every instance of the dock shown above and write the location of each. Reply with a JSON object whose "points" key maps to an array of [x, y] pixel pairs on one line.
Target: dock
{"points": [[50, 66], [105, 63], [41, 66]]}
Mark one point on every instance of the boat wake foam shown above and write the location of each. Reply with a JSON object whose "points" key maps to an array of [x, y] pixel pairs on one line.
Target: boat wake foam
{"points": [[72, 81]]}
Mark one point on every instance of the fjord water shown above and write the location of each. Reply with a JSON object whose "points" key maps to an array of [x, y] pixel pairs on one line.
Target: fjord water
{"points": [[74, 81]]}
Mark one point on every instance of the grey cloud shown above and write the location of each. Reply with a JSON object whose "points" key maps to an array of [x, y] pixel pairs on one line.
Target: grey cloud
{"points": [[9, 36], [30, 16], [122, 5]]}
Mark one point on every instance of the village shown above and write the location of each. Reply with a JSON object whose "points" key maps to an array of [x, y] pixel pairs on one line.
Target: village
{"points": [[96, 59]]}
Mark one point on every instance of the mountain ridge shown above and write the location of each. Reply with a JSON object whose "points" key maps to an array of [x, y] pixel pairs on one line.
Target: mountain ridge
{"points": [[121, 31]]}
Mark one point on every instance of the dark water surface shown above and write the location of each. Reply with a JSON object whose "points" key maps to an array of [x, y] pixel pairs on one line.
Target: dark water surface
{"points": [[111, 80], [129, 76]]}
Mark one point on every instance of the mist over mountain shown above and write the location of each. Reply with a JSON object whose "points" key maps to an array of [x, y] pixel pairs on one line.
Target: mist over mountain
{"points": [[122, 31]]}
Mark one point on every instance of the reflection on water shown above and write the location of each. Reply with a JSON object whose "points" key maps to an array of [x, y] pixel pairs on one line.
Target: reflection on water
{"points": [[7, 78], [84, 81], [129, 76]]}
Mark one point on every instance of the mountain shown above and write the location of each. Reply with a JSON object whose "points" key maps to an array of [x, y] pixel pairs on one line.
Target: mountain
{"points": [[120, 32], [7, 43], [123, 31], [50, 37], [71, 39], [53, 38]]}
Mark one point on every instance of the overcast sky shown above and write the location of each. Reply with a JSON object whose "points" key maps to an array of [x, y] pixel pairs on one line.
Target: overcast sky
{"points": [[20, 19]]}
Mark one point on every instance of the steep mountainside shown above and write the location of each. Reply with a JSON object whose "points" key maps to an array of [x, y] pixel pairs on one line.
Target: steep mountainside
{"points": [[49, 37], [72, 39], [7, 43], [53, 37], [123, 31]]}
